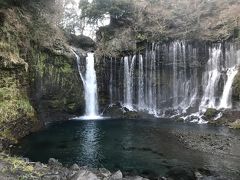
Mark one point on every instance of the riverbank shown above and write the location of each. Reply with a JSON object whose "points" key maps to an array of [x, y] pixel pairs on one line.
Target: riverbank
{"points": [[12, 168]]}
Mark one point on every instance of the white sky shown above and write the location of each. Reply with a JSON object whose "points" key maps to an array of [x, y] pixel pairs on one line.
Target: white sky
{"points": [[90, 30]]}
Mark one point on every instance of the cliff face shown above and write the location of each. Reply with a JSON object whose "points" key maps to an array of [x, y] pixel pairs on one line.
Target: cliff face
{"points": [[39, 81]]}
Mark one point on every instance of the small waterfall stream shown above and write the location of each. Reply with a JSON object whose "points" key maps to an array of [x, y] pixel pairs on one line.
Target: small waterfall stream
{"points": [[128, 81], [227, 91], [90, 87], [141, 103], [178, 78]]}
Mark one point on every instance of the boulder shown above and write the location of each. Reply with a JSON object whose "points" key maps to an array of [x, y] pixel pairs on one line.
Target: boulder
{"points": [[54, 163], [74, 167], [85, 175], [114, 111], [211, 113], [81, 41], [117, 175], [131, 114], [104, 172], [235, 124]]}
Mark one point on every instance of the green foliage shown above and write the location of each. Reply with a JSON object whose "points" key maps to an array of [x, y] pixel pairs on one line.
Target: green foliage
{"points": [[160, 20], [15, 165], [117, 9]]}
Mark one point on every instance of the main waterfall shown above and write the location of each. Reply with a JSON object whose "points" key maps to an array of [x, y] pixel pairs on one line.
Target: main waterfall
{"points": [[176, 79], [90, 87]]}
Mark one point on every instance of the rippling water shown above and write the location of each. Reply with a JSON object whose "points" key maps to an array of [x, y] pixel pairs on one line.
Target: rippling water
{"points": [[135, 146]]}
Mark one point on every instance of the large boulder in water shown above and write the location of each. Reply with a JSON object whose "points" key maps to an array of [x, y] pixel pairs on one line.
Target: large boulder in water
{"points": [[211, 113], [115, 110]]}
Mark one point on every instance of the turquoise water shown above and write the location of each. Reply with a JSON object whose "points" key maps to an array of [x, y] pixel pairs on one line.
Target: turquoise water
{"points": [[144, 147]]}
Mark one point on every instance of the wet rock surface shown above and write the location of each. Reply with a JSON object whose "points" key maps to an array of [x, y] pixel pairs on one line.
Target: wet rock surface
{"points": [[118, 111]]}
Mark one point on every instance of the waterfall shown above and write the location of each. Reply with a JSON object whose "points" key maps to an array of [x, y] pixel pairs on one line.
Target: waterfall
{"points": [[231, 69], [210, 79], [177, 79], [90, 87], [111, 82], [141, 104], [227, 91], [128, 81]]}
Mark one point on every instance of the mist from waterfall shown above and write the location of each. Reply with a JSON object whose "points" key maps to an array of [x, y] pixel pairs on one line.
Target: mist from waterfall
{"points": [[175, 79]]}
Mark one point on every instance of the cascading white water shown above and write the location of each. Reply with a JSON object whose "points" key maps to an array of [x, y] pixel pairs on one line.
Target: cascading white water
{"points": [[225, 102], [232, 63], [176, 79], [175, 72], [91, 97], [111, 82], [210, 79], [141, 104], [127, 84], [90, 87], [128, 81]]}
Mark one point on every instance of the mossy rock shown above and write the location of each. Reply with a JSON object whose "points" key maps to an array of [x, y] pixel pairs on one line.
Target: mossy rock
{"points": [[211, 113], [219, 122], [235, 124], [131, 114], [114, 111]]}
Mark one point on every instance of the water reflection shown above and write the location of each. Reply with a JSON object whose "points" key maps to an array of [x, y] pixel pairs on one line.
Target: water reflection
{"points": [[90, 144]]}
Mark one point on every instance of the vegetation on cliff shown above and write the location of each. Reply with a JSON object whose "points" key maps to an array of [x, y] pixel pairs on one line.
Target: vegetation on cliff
{"points": [[159, 20], [37, 69]]}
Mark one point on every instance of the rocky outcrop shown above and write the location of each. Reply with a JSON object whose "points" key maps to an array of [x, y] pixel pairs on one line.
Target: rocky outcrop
{"points": [[118, 111], [39, 80], [19, 168], [82, 42], [17, 115]]}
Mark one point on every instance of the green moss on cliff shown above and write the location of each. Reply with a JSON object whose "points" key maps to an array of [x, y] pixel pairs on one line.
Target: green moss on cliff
{"points": [[37, 72], [17, 115], [14, 106]]}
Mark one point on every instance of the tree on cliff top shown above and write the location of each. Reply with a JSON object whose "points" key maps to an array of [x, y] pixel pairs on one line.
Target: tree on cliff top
{"points": [[120, 11], [202, 19]]}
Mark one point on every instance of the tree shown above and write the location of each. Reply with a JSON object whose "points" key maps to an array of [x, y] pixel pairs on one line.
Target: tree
{"points": [[72, 22], [119, 10]]}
